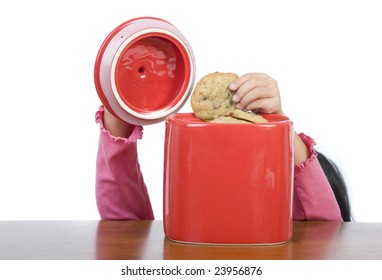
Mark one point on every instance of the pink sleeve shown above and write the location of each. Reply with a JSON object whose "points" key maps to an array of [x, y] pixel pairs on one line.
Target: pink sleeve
{"points": [[121, 192], [313, 197]]}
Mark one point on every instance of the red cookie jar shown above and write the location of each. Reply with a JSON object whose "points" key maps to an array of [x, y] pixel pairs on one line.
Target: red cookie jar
{"points": [[228, 183]]}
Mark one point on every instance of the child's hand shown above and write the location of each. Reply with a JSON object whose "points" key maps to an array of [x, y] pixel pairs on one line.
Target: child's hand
{"points": [[257, 92], [116, 127]]}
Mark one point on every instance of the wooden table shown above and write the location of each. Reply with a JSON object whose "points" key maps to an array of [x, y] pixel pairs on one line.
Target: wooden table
{"points": [[76, 240]]}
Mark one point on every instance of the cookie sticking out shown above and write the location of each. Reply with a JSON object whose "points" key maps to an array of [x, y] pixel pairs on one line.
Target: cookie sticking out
{"points": [[247, 116], [212, 100], [212, 97]]}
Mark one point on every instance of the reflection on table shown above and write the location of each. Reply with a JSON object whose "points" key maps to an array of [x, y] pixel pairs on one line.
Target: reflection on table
{"points": [[44, 240]]}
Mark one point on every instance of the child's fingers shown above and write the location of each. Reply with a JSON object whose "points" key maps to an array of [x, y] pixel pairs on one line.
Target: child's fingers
{"points": [[251, 96], [247, 83], [265, 105]]}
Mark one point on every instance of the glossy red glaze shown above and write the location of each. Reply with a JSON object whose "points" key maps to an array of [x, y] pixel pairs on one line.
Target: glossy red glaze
{"points": [[151, 71], [144, 71], [228, 183]]}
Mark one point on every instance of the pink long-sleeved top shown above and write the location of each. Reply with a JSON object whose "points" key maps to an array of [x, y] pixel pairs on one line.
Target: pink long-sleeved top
{"points": [[121, 192]]}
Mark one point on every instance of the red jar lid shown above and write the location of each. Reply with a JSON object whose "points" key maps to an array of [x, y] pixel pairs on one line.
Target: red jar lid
{"points": [[144, 70]]}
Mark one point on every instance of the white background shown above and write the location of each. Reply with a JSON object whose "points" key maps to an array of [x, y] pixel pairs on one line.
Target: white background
{"points": [[325, 55]]}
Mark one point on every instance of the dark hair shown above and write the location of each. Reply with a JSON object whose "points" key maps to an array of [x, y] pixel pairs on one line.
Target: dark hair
{"points": [[337, 182]]}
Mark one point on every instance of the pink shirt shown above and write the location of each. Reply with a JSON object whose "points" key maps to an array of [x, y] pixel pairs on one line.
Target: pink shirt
{"points": [[121, 192]]}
